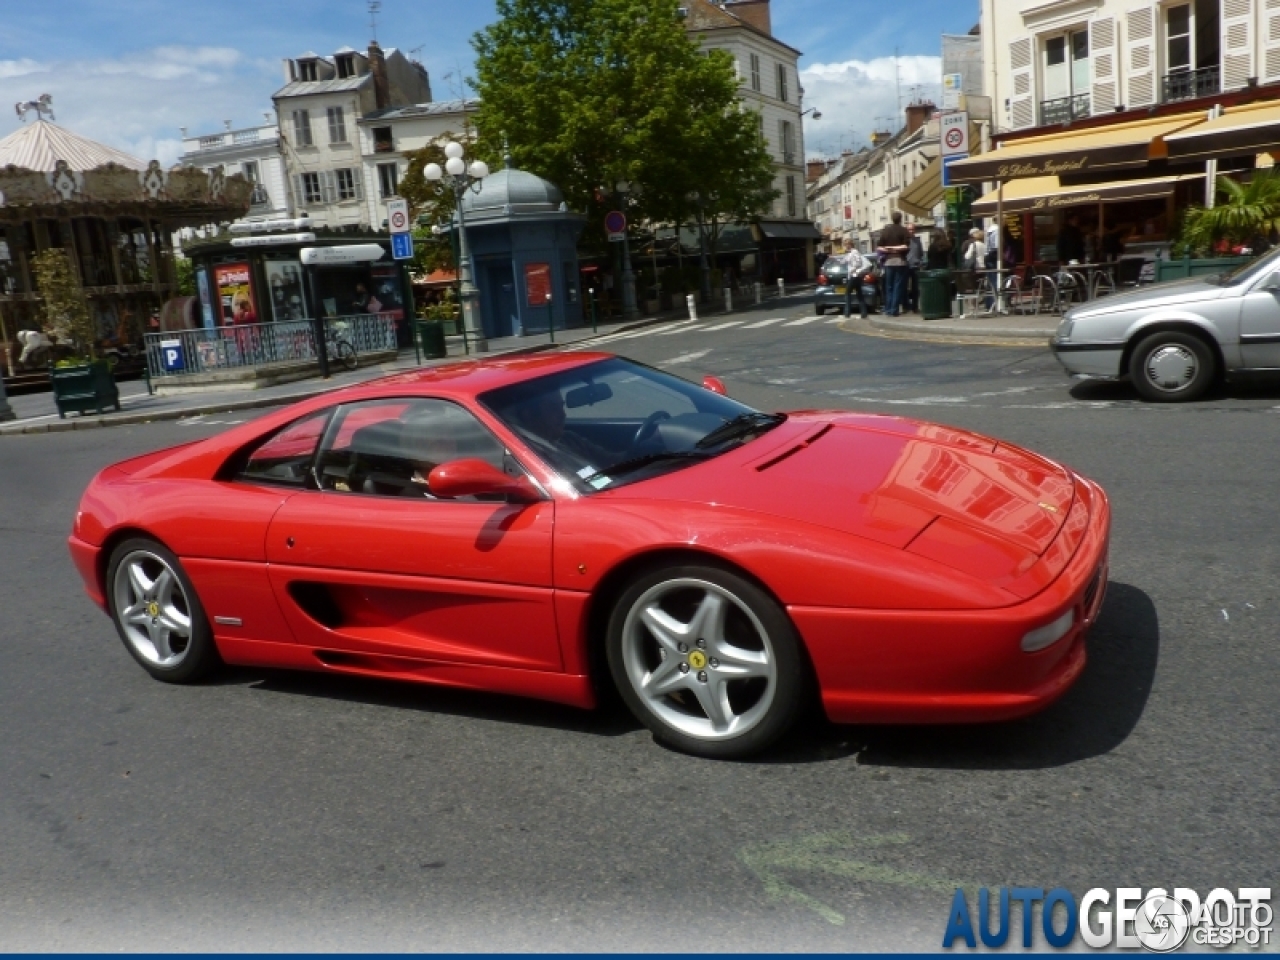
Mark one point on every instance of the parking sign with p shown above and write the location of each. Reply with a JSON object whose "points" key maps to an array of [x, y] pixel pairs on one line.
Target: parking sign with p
{"points": [[171, 357]]}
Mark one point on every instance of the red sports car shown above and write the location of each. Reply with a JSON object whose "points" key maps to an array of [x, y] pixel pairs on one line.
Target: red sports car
{"points": [[544, 525]]}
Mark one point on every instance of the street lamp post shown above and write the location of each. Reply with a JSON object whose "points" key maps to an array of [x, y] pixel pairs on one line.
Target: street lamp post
{"points": [[629, 309], [462, 178], [699, 202]]}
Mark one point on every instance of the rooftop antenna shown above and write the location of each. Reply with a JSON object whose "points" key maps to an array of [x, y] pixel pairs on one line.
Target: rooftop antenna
{"points": [[897, 80], [374, 7], [413, 54]]}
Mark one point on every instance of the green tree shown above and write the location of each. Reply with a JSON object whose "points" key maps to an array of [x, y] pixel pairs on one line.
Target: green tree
{"points": [[590, 92], [1243, 212], [185, 269], [66, 308]]}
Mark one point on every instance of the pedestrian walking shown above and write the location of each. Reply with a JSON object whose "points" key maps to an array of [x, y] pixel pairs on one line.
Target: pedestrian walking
{"points": [[938, 256], [915, 260], [894, 243]]}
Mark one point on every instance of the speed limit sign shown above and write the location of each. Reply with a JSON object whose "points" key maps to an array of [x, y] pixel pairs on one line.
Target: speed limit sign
{"points": [[955, 133], [398, 216]]}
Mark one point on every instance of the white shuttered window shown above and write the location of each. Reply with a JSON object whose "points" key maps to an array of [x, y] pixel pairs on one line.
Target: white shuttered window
{"points": [[1237, 43], [1140, 57], [1022, 108], [1102, 37]]}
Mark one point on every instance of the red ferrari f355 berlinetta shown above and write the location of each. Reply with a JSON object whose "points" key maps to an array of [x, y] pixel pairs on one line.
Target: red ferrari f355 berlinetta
{"points": [[544, 525]]}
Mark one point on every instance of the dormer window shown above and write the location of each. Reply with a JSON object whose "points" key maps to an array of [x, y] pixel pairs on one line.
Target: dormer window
{"points": [[346, 65], [306, 70]]}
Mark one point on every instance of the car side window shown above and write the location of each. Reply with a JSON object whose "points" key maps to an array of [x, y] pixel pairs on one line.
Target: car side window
{"points": [[285, 457], [388, 448]]}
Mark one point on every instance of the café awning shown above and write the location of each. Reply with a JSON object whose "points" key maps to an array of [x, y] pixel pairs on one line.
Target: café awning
{"points": [[1252, 128], [1098, 150], [1037, 194], [923, 193]]}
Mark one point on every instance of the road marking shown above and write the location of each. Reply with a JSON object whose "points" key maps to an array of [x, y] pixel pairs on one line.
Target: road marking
{"points": [[722, 326], [821, 854], [696, 326], [686, 357], [839, 319], [763, 323], [801, 322]]}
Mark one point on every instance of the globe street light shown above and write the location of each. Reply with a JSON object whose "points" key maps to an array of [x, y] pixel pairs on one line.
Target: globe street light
{"points": [[629, 309], [461, 178]]}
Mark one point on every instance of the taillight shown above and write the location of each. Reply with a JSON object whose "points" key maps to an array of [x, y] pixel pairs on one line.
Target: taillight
{"points": [[822, 279]]}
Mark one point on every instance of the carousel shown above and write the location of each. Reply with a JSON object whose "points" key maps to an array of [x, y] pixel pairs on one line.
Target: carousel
{"points": [[113, 214]]}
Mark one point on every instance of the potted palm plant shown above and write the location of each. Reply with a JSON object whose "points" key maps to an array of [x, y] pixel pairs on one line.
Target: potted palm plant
{"points": [[82, 382], [1211, 239]]}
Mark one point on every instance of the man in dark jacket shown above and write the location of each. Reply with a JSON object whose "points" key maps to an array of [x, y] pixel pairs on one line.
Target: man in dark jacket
{"points": [[915, 260], [894, 243]]}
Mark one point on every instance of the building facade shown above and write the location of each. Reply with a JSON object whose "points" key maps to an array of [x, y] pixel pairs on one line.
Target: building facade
{"points": [[319, 110], [253, 152], [1060, 61]]}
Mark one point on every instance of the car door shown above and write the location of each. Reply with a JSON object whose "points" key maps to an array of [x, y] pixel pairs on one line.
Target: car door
{"points": [[368, 561], [1260, 323]]}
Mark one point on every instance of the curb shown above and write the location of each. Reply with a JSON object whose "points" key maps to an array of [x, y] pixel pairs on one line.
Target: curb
{"points": [[946, 327]]}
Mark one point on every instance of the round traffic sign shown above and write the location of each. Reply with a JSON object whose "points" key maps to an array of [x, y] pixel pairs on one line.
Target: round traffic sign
{"points": [[955, 137], [399, 221], [615, 221]]}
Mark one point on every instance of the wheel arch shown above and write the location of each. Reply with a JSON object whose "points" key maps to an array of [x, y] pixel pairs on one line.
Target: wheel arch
{"points": [[1174, 325], [109, 544]]}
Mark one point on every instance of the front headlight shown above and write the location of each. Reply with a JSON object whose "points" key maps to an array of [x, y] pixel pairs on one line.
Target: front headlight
{"points": [[1049, 634], [1064, 328]]}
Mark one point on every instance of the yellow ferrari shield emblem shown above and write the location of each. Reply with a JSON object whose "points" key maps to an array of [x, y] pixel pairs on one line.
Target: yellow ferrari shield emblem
{"points": [[697, 659], [153, 609]]}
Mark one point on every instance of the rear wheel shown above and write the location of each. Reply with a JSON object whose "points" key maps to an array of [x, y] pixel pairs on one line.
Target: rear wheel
{"points": [[346, 354], [1171, 366], [706, 660], [157, 613], [819, 309]]}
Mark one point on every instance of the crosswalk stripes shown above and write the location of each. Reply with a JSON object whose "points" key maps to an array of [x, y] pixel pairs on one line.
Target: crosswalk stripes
{"points": [[801, 322], [763, 323], [839, 319], [684, 329], [722, 326]]}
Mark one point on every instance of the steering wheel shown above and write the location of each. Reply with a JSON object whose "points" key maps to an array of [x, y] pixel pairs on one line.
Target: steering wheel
{"points": [[649, 427]]}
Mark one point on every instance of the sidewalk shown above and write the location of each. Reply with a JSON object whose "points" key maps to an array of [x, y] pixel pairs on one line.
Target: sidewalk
{"points": [[1018, 329]]}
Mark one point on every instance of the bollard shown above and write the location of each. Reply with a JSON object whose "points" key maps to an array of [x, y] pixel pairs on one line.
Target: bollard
{"points": [[693, 307], [728, 300], [782, 287], [759, 291], [592, 292]]}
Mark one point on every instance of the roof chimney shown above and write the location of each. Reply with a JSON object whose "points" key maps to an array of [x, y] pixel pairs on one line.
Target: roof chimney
{"points": [[918, 114], [378, 67], [752, 12]]}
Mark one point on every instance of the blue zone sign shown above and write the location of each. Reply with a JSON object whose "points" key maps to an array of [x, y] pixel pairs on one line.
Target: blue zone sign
{"points": [[402, 246]]}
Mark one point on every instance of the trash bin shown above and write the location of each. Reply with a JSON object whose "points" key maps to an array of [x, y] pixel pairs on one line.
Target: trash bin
{"points": [[935, 294], [431, 339]]}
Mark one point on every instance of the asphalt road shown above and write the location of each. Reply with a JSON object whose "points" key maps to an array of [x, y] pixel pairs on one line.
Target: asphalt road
{"points": [[283, 811]]}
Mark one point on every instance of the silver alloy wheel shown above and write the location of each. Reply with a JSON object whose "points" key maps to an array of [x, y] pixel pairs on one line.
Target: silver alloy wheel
{"points": [[1172, 367], [711, 673], [152, 609]]}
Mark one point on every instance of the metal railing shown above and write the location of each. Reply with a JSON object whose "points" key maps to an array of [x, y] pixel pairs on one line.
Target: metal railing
{"points": [[1188, 84], [1064, 109], [206, 350]]}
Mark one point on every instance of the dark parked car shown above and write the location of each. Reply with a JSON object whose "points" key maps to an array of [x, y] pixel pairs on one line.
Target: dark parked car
{"points": [[829, 295]]}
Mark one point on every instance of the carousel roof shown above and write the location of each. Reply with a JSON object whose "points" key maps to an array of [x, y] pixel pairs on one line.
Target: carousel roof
{"points": [[40, 145]]}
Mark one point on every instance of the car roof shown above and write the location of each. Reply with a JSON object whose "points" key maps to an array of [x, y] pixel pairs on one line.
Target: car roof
{"points": [[469, 378]]}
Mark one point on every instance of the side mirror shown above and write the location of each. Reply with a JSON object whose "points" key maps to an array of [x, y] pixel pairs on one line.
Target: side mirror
{"points": [[715, 385], [465, 478]]}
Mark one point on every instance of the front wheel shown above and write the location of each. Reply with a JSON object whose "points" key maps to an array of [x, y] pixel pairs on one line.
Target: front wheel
{"points": [[346, 354], [1172, 366], [819, 309], [157, 613], [705, 659]]}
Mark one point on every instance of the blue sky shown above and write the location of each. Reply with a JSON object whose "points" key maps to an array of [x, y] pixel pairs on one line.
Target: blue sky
{"points": [[131, 72]]}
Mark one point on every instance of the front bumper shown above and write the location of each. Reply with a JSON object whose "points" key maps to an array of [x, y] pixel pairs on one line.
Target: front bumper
{"points": [[86, 558], [1099, 361], [902, 666]]}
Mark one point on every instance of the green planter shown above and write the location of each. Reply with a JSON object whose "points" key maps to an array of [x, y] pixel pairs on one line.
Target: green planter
{"points": [[1187, 267], [431, 339], [85, 387]]}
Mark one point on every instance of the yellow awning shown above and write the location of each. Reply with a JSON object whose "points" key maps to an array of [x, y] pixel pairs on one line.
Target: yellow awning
{"points": [[1037, 194], [923, 193], [1252, 128], [1095, 149]]}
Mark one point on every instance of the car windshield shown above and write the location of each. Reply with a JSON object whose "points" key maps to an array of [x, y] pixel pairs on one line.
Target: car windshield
{"points": [[1250, 269], [614, 422]]}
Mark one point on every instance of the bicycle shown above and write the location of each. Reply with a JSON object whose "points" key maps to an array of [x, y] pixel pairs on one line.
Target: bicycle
{"points": [[338, 347]]}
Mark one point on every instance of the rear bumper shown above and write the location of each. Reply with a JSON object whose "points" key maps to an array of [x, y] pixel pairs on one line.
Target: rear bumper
{"points": [[85, 556], [896, 666]]}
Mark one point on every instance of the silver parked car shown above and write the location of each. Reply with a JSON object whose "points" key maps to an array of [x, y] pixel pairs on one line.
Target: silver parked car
{"points": [[1173, 340]]}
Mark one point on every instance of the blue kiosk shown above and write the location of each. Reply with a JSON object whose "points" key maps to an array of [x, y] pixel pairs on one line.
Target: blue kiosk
{"points": [[524, 250]]}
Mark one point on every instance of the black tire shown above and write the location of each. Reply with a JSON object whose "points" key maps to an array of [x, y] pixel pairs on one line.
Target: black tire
{"points": [[346, 354], [192, 659], [1172, 367], [766, 704], [819, 310]]}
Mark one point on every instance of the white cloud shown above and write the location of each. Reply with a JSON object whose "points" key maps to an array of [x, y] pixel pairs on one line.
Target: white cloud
{"points": [[857, 97], [136, 102]]}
